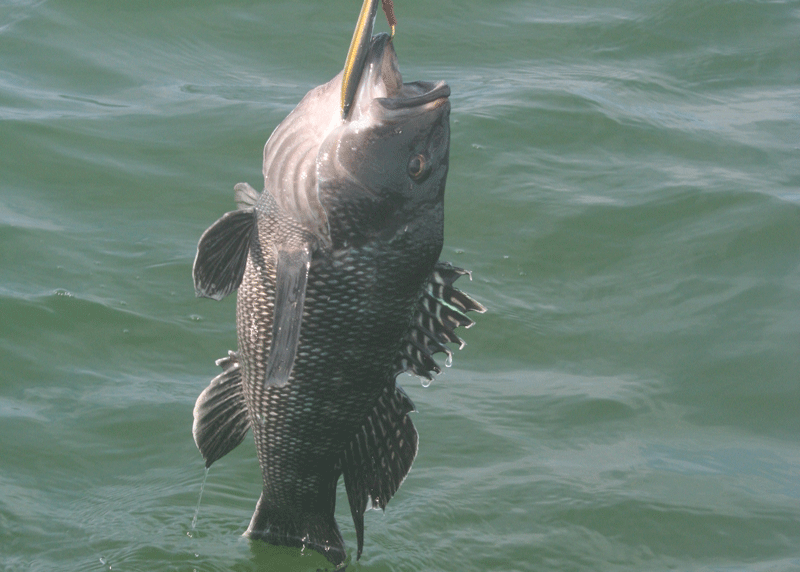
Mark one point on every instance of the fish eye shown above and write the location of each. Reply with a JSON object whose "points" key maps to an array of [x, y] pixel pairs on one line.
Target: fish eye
{"points": [[418, 168]]}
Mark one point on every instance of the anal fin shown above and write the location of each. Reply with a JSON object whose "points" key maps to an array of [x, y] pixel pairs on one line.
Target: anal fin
{"points": [[220, 413], [378, 458]]}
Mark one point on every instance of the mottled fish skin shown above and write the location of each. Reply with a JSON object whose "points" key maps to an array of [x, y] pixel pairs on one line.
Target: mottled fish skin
{"points": [[358, 223]]}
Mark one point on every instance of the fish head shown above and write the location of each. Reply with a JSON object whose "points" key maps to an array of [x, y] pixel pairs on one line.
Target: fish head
{"points": [[382, 166], [387, 163]]}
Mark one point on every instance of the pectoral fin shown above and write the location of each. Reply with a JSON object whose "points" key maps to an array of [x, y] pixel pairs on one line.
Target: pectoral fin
{"points": [[222, 254], [293, 263]]}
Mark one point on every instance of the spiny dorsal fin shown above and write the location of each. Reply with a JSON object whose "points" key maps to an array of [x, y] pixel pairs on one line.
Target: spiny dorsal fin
{"points": [[441, 309], [222, 254], [378, 458], [220, 413]]}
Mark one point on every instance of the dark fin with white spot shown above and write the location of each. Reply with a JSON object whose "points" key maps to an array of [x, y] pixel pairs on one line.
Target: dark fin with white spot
{"points": [[245, 195], [222, 254], [220, 413], [291, 275], [379, 457], [311, 525], [441, 309]]}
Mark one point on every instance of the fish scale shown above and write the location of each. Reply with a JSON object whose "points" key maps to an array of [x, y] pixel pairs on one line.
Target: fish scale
{"points": [[348, 327]]}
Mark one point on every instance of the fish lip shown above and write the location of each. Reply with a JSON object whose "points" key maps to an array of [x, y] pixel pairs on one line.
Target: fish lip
{"points": [[438, 93]]}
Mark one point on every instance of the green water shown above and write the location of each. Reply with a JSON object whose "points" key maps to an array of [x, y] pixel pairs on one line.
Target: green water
{"points": [[624, 185]]}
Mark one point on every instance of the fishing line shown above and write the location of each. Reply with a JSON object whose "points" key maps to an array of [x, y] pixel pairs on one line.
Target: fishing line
{"points": [[388, 9]]}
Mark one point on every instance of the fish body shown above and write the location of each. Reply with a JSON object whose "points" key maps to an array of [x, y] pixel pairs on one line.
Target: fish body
{"points": [[339, 290]]}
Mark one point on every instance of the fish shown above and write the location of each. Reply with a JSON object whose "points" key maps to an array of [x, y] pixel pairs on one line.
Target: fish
{"points": [[339, 290]]}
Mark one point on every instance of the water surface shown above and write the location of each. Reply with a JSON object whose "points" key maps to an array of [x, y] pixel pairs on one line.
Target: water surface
{"points": [[624, 185]]}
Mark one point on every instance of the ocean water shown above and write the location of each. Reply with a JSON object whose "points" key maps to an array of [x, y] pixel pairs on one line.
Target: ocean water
{"points": [[624, 185]]}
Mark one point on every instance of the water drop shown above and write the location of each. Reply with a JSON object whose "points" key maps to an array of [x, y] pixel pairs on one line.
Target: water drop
{"points": [[426, 382], [449, 361], [199, 498]]}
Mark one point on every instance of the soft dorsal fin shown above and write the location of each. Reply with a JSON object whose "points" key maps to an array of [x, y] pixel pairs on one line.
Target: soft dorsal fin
{"points": [[222, 254], [220, 413], [378, 458]]}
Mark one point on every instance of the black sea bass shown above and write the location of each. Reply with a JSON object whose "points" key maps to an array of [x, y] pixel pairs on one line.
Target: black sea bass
{"points": [[339, 290]]}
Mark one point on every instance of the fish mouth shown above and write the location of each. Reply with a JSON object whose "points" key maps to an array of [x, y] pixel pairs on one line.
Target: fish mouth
{"points": [[419, 93], [371, 72], [381, 87]]}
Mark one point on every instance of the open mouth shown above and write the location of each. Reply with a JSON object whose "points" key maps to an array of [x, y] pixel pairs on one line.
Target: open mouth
{"points": [[417, 93], [410, 95]]}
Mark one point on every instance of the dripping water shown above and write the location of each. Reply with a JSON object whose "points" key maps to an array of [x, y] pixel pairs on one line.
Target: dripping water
{"points": [[199, 498]]}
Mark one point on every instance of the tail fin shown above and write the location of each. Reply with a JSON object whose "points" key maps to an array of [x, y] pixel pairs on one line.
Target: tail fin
{"points": [[298, 528]]}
